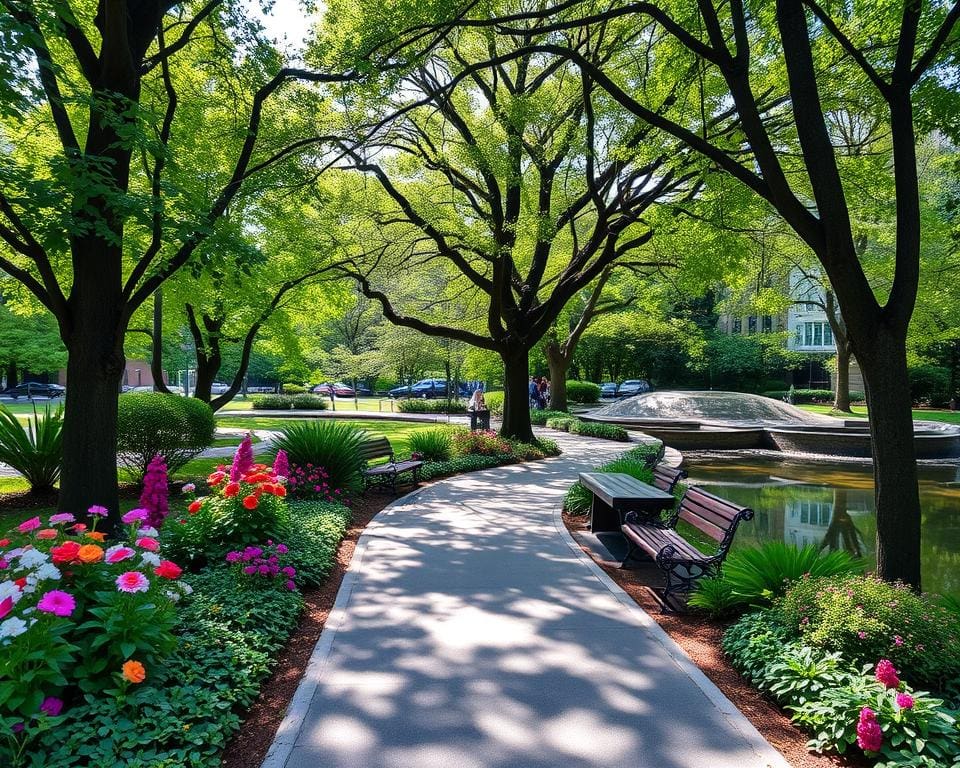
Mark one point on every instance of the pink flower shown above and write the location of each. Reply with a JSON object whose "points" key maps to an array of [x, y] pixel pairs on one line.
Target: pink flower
{"points": [[869, 734], [249, 570], [149, 544], [29, 525], [862, 635], [99, 511], [904, 701], [135, 515], [886, 673], [897, 640], [282, 549], [51, 706], [132, 581], [57, 602], [119, 553], [188, 488], [291, 586], [281, 464], [242, 459], [62, 517], [6, 605]]}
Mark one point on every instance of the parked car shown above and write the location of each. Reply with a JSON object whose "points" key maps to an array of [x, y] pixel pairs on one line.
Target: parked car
{"points": [[32, 389], [425, 388], [608, 389], [632, 387], [219, 388], [337, 388]]}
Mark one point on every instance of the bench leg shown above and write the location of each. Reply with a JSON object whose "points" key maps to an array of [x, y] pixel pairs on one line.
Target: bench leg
{"points": [[681, 578], [603, 517]]}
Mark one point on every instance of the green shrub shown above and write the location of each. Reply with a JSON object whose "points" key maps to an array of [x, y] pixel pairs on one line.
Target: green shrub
{"points": [[148, 423], [546, 446], [333, 445], [494, 401], [293, 389], [419, 405], [802, 396], [37, 451], [582, 391], [309, 402], [540, 448], [561, 423], [645, 453], [597, 429], [929, 384], [760, 574], [540, 418], [271, 402], [799, 673], [715, 597], [485, 442], [431, 444], [315, 531], [857, 397], [460, 464], [868, 619], [951, 603], [754, 640]]}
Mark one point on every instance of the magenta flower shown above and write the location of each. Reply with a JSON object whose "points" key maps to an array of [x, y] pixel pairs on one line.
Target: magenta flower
{"points": [[119, 553], [98, 511], [136, 515], [132, 581], [249, 570], [149, 544], [904, 701], [51, 706], [862, 635], [155, 496], [897, 640], [886, 673], [281, 464], [62, 517], [242, 459], [282, 549], [291, 586], [869, 733], [57, 602], [29, 525], [232, 557]]}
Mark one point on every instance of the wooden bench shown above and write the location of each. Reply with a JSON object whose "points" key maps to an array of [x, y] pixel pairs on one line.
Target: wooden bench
{"points": [[666, 478], [681, 562], [388, 473], [615, 493]]}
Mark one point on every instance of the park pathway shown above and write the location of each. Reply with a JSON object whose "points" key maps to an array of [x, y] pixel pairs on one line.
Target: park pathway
{"points": [[471, 632]]}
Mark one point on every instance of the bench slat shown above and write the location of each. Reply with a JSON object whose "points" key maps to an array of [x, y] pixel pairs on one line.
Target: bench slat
{"points": [[652, 540], [715, 532]]}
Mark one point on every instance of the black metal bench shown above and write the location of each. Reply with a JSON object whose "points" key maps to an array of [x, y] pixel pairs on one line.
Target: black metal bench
{"points": [[615, 494], [681, 562], [388, 473]]}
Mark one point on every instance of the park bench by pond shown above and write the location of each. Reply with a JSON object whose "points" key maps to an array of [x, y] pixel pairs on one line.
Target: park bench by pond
{"points": [[615, 494], [681, 562], [390, 472]]}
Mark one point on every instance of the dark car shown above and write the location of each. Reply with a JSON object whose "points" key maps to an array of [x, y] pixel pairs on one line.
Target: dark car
{"points": [[425, 388], [35, 389], [608, 389], [632, 387]]}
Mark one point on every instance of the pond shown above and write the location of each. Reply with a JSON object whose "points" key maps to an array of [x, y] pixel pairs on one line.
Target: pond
{"points": [[831, 505]]}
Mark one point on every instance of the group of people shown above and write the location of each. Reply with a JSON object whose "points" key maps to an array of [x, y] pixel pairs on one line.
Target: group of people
{"points": [[539, 392]]}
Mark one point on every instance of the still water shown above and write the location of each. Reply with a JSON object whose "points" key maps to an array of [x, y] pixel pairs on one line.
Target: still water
{"points": [[831, 505]]}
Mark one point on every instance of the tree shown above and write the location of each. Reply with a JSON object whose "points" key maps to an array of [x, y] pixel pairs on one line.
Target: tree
{"points": [[898, 55], [501, 194], [90, 143], [28, 341]]}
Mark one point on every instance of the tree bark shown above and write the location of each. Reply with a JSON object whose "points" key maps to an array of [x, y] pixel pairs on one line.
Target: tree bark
{"points": [[884, 366], [156, 357], [516, 396], [841, 398], [559, 364], [12, 374]]}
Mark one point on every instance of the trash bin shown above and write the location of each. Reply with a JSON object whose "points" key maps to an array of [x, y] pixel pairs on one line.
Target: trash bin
{"points": [[479, 420]]}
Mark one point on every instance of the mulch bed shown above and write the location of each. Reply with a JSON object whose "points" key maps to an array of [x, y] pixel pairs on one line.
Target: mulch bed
{"points": [[700, 637], [249, 746]]}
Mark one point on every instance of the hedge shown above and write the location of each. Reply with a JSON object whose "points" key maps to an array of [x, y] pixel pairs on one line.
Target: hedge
{"points": [[420, 405], [271, 402], [582, 391]]}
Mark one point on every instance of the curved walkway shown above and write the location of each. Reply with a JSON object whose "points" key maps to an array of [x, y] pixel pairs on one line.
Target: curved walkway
{"points": [[471, 632]]}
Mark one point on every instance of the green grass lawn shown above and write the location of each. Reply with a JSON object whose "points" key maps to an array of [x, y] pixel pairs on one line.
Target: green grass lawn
{"points": [[860, 412]]}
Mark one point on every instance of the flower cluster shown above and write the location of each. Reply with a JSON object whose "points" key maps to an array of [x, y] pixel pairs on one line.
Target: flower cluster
{"points": [[484, 442], [62, 591], [263, 563], [869, 733], [310, 482], [249, 487], [155, 496]]}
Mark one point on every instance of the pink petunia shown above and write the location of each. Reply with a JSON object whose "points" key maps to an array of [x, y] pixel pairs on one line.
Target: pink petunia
{"points": [[57, 602], [98, 511], [119, 553], [62, 517], [145, 542], [29, 525], [132, 581], [135, 515]]}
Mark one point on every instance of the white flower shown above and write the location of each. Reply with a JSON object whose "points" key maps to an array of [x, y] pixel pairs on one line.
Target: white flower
{"points": [[174, 596], [47, 571], [185, 588], [9, 589], [146, 530], [150, 558], [32, 558], [12, 627], [189, 488]]}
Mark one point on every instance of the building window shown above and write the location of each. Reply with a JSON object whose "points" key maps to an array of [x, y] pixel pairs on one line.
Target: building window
{"points": [[767, 323], [752, 324], [814, 335], [737, 325]]}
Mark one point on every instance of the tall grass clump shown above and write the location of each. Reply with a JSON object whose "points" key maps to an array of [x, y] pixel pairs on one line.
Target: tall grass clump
{"points": [[37, 451], [431, 444], [331, 445]]}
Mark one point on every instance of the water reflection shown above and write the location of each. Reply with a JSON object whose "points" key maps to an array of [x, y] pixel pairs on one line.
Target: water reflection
{"points": [[832, 506]]}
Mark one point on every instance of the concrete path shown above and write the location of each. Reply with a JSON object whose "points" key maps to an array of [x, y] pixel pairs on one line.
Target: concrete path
{"points": [[471, 632]]}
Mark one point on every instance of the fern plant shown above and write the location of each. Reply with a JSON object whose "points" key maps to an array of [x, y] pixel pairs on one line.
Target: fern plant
{"points": [[37, 451]]}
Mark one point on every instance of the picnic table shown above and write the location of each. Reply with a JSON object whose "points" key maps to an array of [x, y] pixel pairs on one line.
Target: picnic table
{"points": [[615, 494]]}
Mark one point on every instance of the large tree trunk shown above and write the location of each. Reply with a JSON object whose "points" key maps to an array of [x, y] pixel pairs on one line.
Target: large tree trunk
{"points": [[884, 366], [516, 396], [558, 363], [95, 363], [841, 397]]}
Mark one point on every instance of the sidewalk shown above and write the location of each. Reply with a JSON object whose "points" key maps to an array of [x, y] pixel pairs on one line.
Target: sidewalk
{"points": [[471, 632]]}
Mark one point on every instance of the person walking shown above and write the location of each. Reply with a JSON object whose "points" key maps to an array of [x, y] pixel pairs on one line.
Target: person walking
{"points": [[534, 392]]}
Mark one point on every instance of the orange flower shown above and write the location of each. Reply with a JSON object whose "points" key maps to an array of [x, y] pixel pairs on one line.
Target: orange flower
{"points": [[90, 553], [47, 533], [134, 671], [96, 535], [250, 502]]}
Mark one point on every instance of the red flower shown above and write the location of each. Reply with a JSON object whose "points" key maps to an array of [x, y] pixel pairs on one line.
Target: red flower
{"points": [[231, 489], [168, 570], [250, 502], [279, 490], [216, 478], [4, 542], [65, 553], [194, 507], [21, 582], [6, 605]]}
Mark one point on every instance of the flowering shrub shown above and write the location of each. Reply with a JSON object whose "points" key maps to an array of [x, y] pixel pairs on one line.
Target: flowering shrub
{"points": [[74, 614], [483, 442], [155, 496], [262, 564], [866, 618]]}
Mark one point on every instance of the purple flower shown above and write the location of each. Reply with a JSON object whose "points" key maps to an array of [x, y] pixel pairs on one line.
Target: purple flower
{"points": [[135, 515], [233, 557], [51, 706], [62, 517], [291, 586], [155, 494], [97, 510], [242, 459], [281, 464], [188, 488], [249, 570], [282, 549], [904, 701], [57, 602], [290, 571]]}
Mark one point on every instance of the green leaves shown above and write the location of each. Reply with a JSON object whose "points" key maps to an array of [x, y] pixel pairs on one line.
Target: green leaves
{"points": [[37, 451]]}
